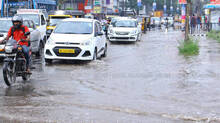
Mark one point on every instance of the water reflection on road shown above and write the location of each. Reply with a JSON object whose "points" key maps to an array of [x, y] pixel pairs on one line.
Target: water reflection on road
{"points": [[141, 82]]}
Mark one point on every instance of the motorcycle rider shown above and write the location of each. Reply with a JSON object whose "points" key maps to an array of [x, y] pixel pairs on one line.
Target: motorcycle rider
{"points": [[17, 32]]}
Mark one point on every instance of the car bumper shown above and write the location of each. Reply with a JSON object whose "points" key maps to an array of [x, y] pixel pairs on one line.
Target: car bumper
{"points": [[122, 37], [80, 52]]}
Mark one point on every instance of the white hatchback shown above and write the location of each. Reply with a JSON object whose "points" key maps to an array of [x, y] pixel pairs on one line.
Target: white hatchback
{"points": [[76, 39], [125, 29]]}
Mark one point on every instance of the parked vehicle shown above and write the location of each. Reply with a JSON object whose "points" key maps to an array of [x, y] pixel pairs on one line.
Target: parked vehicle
{"points": [[125, 30], [76, 39], [15, 63], [39, 18]]}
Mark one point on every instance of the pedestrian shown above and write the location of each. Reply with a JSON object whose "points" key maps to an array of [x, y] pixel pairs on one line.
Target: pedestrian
{"points": [[198, 22], [166, 24], [193, 23]]}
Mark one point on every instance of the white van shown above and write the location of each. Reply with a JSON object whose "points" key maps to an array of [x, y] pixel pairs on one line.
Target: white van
{"points": [[38, 17]]}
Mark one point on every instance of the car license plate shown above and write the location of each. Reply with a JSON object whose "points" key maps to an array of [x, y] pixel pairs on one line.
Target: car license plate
{"points": [[66, 51]]}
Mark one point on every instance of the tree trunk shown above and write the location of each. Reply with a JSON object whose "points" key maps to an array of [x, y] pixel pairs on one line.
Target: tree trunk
{"points": [[188, 6]]}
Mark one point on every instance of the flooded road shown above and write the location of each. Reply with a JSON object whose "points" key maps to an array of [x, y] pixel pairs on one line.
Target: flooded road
{"points": [[145, 82]]}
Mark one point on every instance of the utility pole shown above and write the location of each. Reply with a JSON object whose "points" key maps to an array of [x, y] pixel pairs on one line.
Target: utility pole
{"points": [[188, 11]]}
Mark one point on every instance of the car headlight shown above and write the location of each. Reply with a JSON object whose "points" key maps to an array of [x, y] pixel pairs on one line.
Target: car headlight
{"points": [[86, 43], [134, 32], [50, 41], [8, 49], [111, 31]]}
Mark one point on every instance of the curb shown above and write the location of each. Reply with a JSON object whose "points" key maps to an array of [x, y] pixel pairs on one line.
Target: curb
{"points": [[199, 35]]}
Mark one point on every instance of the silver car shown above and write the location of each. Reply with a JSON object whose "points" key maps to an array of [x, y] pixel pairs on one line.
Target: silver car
{"points": [[36, 43]]}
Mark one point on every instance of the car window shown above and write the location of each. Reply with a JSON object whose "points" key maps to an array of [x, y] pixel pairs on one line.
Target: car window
{"points": [[34, 17], [125, 23], [5, 25], [32, 24], [43, 22], [26, 23], [99, 27], [74, 27], [96, 28]]}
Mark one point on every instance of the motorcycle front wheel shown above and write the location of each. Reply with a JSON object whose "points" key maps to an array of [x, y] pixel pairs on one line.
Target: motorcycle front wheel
{"points": [[9, 73]]}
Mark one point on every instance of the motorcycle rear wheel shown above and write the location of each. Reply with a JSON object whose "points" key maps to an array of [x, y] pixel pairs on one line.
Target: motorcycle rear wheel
{"points": [[9, 74]]}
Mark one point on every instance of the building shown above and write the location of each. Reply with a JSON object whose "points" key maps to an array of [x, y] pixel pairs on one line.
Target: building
{"points": [[92, 6]]}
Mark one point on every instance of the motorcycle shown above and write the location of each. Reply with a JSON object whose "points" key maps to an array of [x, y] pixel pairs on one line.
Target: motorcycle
{"points": [[14, 64]]}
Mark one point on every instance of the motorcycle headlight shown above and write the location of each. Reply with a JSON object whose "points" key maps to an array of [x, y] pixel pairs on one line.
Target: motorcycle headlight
{"points": [[86, 43], [8, 49], [134, 32]]}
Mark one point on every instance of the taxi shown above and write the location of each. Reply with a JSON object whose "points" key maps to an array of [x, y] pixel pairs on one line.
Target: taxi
{"points": [[54, 18]]}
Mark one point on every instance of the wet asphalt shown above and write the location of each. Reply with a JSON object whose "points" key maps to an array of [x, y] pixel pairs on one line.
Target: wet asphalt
{"points": [[142, 82]]}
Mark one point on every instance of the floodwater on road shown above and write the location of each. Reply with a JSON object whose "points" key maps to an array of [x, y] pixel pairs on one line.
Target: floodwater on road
{"points": [[143, 82]]}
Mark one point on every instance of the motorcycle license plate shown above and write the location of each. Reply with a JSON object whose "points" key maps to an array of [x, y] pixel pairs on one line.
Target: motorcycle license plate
{"points": [[66, 51]]}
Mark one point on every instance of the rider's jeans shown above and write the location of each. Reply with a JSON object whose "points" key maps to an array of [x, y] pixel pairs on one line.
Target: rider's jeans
{"points": [[26, 53]]}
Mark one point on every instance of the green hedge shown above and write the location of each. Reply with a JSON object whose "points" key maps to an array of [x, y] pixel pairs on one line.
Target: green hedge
{"points": [[214, 35], [189, 47]]}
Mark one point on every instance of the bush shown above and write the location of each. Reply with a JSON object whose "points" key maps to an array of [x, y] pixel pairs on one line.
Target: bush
{"points": [[189, 47], [69, 8], [214, 35]]}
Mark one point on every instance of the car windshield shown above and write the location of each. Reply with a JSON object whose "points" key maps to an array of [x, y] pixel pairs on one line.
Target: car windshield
{"points": [[55, 20], [125, 23], [74, 27], [5, 25], [34, 17]]}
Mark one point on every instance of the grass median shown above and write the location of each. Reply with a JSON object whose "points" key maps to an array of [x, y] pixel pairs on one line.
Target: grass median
{"points": [[189, 47], [214, 35]]}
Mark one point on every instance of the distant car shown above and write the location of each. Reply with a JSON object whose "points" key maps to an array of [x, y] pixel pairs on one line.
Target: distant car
{"points": [[36, 43], [124, 30], [155, 22], [76, 39]]}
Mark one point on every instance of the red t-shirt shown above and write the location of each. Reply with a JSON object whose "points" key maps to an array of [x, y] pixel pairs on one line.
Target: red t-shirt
{"points": [[19, 34]]}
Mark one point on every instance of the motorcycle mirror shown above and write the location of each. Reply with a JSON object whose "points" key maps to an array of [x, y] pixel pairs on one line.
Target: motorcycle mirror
{"points": [[27, 33], [1, 35]]}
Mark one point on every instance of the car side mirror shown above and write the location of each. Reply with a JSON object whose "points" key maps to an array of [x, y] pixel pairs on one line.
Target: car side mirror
{"points": [[27, 33], [1, 35]]}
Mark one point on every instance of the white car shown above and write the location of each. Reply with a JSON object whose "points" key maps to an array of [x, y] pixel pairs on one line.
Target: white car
{"points": [[5, 24], [124, 30], [76, 39], [38, 17]]}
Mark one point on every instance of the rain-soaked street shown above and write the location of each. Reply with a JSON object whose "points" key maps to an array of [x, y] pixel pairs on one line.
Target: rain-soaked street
{"points": [[144, 82]]}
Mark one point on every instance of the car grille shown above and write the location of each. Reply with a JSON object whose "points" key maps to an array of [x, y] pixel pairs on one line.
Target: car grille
{"points": [[121, 37], [67, 43], [77, 51], [122, 33]]}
